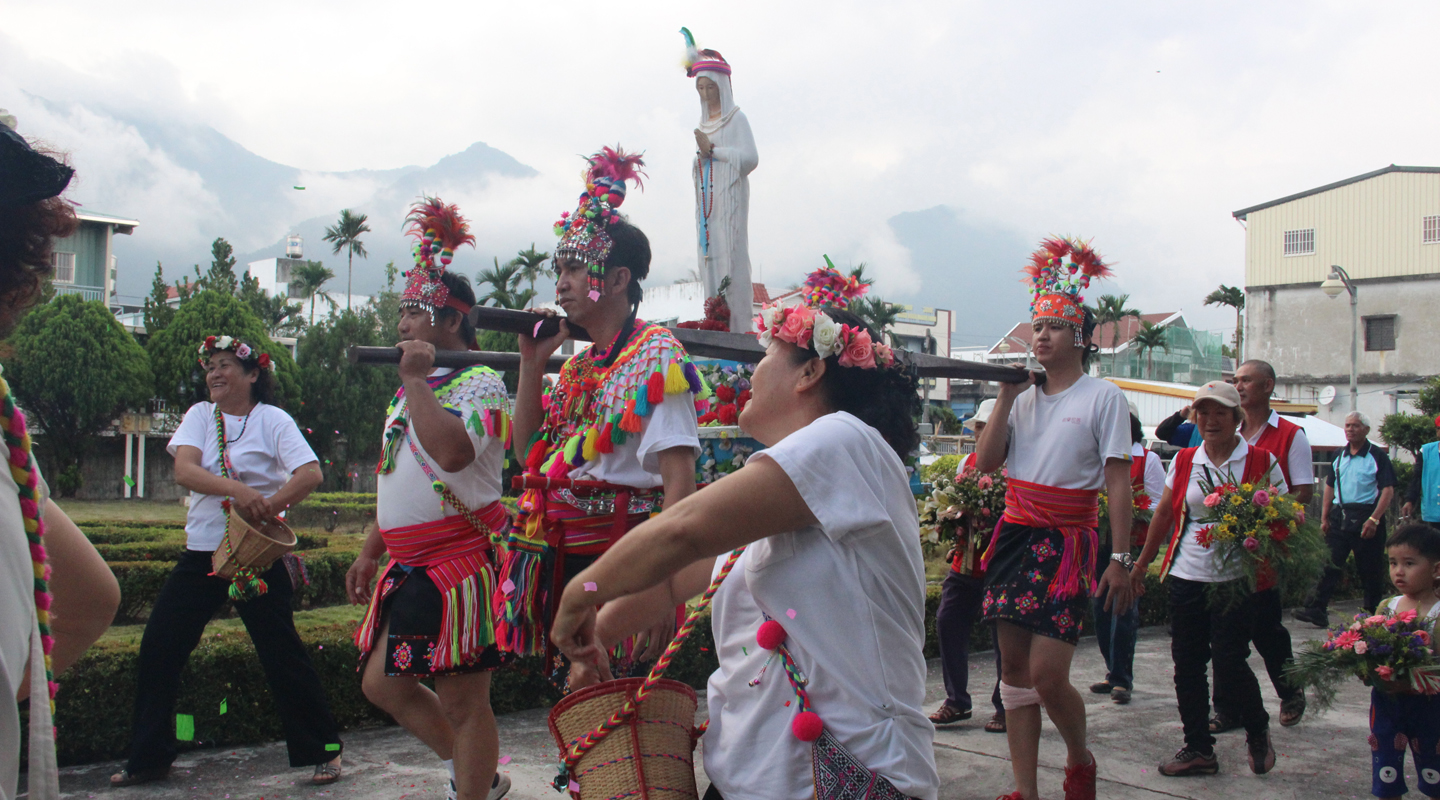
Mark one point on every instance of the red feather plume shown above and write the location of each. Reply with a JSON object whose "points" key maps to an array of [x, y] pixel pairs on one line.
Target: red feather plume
{"points": [[1090, 262], [432, 213], [617, 165]]}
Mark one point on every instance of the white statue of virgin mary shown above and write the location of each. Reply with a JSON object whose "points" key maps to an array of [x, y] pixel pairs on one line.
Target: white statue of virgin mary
{"points": [[725, 156]]}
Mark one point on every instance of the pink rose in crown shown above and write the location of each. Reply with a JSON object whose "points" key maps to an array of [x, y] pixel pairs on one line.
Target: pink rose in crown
{"points": [[1212, 499], [1384, 672], [796, 328], [1262, 498], [859, 351], [1252, 544]]}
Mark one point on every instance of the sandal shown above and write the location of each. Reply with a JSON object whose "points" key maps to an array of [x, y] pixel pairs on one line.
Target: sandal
{"points": [[1292, 710], [127, 778], [946, 715], [1220, 723], [327, 773], [996, 724]]}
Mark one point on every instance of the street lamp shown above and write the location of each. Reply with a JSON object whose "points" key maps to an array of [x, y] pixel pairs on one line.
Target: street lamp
{"points": [[1005, 347], [1339, 281]]}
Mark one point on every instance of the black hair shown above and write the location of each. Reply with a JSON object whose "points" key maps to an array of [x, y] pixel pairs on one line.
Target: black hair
{"points": [[887, 400], [263, 389], [631, 249], [1087, 331], [460, 289], [1422, 537], [1264, 366], [1137, 434]]}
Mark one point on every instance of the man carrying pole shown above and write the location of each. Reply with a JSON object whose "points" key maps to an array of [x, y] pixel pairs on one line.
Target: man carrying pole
{"points": [[615, 438]]}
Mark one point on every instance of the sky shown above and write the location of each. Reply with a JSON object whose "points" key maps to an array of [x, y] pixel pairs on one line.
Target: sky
{"points": [[1140, 125]]}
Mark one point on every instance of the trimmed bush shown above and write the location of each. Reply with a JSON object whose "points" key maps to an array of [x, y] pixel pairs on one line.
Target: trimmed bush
{"points": [[945, 466]]}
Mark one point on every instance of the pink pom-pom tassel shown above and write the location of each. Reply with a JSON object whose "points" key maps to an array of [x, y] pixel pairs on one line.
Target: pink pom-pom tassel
{"points": [[42, 601]]}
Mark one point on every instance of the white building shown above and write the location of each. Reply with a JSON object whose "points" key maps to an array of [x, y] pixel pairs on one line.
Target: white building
{"points": [[1383, 228]]}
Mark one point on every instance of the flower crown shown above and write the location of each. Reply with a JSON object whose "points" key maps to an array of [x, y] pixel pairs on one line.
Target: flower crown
{"points": [[812, 328], [242, 351]]}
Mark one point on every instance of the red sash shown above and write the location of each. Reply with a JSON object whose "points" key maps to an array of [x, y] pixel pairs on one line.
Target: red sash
{"points": [[457, 559], [1073, 512], [1257, 465]]}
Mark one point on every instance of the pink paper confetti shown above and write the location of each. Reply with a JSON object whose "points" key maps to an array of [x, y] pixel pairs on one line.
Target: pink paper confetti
{"points": [[504, 760], [508, 586], [574, 787], [790, 612], [535, 334], [590, 586], [594, 295]]}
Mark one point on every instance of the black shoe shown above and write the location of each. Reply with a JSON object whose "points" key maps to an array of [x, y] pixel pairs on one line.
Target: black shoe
{"points": [[1262, 753], [1103, 687], [1190, 762], [1314, 616], [1221, 723], [1120, 695]]}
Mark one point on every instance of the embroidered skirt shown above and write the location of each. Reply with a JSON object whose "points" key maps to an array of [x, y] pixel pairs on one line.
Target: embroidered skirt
{"points": [[1023, 563], [413, 606]]}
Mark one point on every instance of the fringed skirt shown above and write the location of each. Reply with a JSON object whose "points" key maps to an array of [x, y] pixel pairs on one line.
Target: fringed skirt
{"points": [[1023, 563], [414, 607]]}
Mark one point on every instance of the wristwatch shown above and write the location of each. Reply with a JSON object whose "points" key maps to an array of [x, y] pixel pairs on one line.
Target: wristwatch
{"points": [[1126, 560]]}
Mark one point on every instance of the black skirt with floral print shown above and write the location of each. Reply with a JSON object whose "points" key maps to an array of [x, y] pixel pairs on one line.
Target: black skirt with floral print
{"points": [[1017, 582], [412, 606]]}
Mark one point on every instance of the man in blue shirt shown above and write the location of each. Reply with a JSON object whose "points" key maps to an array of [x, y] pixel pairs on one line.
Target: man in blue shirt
{"points": [[1352, 516], [1424, 492]]}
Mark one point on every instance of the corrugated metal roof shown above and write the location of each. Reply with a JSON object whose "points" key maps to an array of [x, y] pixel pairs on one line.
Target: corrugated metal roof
{"points": [[1241, 214]]}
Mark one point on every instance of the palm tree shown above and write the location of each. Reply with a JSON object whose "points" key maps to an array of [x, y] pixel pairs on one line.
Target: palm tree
{"points": [[1146, 340], [1232, 296], [858, 273], [345, 234], [1111, 308], [306, 282], [504, 281], [876, 313], [531, 264]]}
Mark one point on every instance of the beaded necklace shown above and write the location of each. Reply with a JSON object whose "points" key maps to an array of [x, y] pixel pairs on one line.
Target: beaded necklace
{"points": [[247, 582], [27, 478], [707, 200]]}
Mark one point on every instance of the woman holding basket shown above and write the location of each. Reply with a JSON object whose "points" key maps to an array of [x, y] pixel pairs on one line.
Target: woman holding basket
{"points": [[238, 449], [819, 627]]}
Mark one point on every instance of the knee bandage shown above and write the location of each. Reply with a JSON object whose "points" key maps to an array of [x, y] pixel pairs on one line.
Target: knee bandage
{"points": [[1013, 697]]}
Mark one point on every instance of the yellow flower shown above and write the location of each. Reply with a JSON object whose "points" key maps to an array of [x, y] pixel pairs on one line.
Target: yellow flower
{"points": [[1236, 500], [1296, 507], [1247, 487], [1230, 518], [1271, 513]]}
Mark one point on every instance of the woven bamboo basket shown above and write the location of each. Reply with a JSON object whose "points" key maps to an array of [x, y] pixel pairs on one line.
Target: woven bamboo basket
{"points": [[651, 756], [248, 545]]}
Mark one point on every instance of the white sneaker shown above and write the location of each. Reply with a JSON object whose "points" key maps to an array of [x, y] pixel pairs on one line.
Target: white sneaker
{"points": [[450, 793], [499, 787]]}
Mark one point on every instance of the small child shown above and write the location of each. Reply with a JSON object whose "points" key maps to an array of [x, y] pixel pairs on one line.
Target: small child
{"points": [[1398, 720]]}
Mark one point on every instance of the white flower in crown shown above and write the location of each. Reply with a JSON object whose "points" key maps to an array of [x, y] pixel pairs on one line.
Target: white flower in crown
{"points": [[243, 351], [766, 337], [773, 316], [224, 342], [826, 337]]}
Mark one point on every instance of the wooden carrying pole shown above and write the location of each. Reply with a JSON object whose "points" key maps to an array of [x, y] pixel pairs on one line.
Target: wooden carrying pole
{"points": [[708, 344]]}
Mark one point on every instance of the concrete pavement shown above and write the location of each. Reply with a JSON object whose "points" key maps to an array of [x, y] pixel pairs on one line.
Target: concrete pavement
{"points": [[1325, 756]]}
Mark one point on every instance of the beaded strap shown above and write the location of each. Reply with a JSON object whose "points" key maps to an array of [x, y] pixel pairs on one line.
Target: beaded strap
{"points": [[27, 478], [247, 582], [579, 747], [444, 491]]}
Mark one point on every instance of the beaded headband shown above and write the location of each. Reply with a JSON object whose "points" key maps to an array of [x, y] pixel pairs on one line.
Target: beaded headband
{"points": [[439, 229], [242, 351], [1055, 283], [697, 60], [583, 233]]}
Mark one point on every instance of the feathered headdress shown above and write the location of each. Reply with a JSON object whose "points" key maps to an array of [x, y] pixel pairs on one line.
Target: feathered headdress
{"points": [[828, 287], [583, 232], [697, 60], [439, 229], [1057, 273]]}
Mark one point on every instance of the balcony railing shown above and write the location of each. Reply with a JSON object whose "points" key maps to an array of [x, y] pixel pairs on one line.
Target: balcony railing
{"points": [[85, 292]]}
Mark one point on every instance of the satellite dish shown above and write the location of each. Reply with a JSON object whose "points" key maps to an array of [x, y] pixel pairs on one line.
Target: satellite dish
{"points": [[1327, 395]]}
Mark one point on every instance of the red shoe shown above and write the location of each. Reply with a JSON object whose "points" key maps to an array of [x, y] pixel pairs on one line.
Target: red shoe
{"points": [[1080, 780], [1011, 796]]}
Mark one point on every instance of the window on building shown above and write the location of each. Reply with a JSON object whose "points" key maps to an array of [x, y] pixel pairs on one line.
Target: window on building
{"points": [[1430, 230], [64, 264], [1300, 243], [1380, 333]]}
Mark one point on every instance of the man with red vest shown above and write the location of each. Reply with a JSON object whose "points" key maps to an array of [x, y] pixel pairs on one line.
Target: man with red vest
{"points": [[1266, 429]]}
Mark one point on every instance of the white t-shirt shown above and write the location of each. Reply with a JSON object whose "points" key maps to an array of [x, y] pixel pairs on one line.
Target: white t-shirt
{"points": [[856, 586], [1154, 471], [267, 449], [671, 423], [405, 497], [1302, 470], [1192, 561], [1063, 440], [17, 610]]}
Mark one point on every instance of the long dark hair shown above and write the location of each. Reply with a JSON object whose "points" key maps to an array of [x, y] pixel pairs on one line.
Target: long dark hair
{"points": [[27, 237], [263, 389], [887, 400], [631, 249]]}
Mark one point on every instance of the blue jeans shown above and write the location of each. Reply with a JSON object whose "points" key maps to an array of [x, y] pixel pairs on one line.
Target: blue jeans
{"points": [[1119, 649]]}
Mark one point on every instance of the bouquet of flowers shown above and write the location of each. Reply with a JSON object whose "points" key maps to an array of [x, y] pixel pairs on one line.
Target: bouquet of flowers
{"points": [[1142, 510], [963, 511], [1393, 654], [1263, 531], [731, 386]]}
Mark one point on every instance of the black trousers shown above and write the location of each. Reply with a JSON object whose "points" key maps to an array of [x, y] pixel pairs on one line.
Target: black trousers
{"points": [[960, 597], [1200, 635], [1265, 626], [1346, 524], [187, 601]]}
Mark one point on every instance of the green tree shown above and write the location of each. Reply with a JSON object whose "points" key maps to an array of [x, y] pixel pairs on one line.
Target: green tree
{"points": [[343, 412], [221, 276], [1146, 340], [279, 316], [387, 305], [158, 311], [1111, 308], [179, 378], [876, 313], [532, 265], [307, 282], [504, 282], [1232, 296], [74, 368], [1413, 431], [345, 235]]}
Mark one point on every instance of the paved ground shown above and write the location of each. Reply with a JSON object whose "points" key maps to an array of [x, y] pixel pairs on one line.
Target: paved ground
{"points": [[1325, 756]]}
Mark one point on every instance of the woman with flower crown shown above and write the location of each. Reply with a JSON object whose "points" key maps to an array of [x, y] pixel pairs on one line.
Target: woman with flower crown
{"points": [[831, 583], [238, 449]]}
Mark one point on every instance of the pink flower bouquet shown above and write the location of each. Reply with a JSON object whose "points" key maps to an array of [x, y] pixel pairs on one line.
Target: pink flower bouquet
{"points": [[1390, 653]]}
